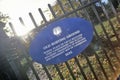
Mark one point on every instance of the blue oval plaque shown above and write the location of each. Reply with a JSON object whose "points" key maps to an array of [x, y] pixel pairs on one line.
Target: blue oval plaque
{"points": [[61, 41]]}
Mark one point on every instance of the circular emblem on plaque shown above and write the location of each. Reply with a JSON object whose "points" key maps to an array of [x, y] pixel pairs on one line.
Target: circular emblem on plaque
{"points": [[57, 31]]}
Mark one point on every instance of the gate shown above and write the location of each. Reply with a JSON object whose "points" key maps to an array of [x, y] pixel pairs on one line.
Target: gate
{"points": [[100, 61]]}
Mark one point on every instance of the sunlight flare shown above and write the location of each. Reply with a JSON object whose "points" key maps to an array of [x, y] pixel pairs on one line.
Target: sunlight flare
{"points": [[21, 8]]}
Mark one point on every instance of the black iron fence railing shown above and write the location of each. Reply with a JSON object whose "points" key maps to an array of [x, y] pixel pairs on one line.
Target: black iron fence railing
{"points": [[100, 61]]}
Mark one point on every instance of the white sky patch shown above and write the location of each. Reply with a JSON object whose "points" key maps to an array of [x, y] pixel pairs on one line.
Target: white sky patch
{"points": [[21, 8], [106, 1]]}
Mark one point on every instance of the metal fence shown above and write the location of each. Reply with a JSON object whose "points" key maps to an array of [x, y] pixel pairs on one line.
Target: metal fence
{"points": [[100, 61]]}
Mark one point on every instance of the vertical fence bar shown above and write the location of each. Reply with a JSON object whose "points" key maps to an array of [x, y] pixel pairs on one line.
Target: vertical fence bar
{"points": [[92, 69], [31, 65], [47, 72], [61, 6], [73, 7], [105, 55], [114, 11], [108, 18], [33, 20], [24, 48], [43, 16], [88, 62], [68, 66], [21, 21], [109, 61], [57, 68], [95, 55], [80, 66], [103, 51], [60, 74], [83, 74], [112, 47], [53, 13], [59, 2], [65, 62], [14, 59], [51, 10], [85, 11], [96, 13], [11, 26]]}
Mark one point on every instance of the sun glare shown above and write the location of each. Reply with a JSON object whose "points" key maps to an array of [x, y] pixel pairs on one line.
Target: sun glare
{"points": [[21, 8]]}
